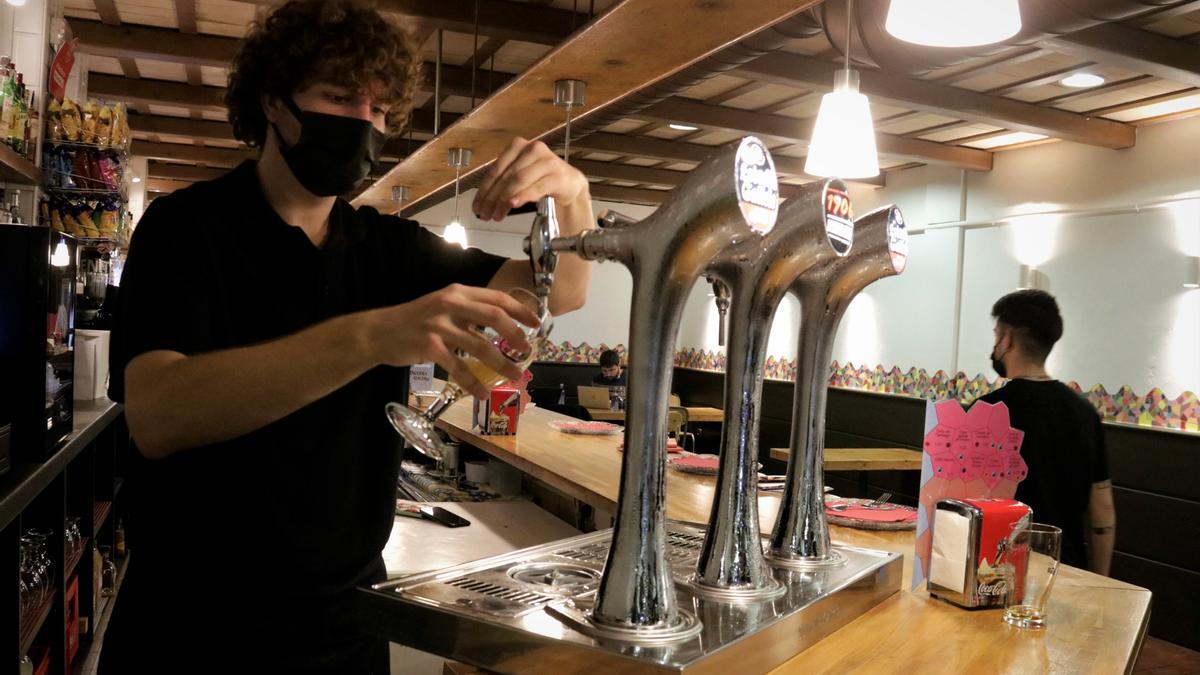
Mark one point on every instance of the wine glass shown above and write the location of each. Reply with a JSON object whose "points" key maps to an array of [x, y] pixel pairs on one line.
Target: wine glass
{"points": [[418, 427]]}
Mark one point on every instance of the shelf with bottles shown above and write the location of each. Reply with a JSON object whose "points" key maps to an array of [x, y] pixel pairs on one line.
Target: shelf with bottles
{"points": [[19, 122]]}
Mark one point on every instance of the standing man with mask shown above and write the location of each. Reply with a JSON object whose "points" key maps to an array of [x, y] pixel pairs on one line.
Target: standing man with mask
{"points": [[1068, 484], [264, 323]]}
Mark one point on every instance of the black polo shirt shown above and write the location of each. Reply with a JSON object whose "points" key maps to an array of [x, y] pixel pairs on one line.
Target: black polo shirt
{"points": [[265, 533], [1065, 452]]}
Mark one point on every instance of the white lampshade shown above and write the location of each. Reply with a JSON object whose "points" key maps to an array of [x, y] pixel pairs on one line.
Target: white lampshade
{"points": [[953, 23], [843, 142], [61, 256], [16, 3], [456, 234]]}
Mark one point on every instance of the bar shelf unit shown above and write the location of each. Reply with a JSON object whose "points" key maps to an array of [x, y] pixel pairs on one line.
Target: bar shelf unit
{"points": [[80, 479]]}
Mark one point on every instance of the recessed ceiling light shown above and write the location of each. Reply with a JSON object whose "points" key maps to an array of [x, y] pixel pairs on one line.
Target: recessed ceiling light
{"points": [[682, 127], [1082, 80], [135, 179]]}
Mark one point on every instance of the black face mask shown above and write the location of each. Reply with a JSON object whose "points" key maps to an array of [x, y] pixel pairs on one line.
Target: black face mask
{"points": [[334, 153], [998, 365]]}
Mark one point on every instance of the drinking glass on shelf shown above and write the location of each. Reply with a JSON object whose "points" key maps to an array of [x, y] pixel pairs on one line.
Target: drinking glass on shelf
{"points": [[418, 427], [1035, 555], [108, 572], [41, 562], [31, 583], [72, 536]]}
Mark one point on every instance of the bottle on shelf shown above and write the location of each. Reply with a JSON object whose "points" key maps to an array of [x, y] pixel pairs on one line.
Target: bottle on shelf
{"points": [[20, 122], [119, 539], [5, 96], [32, 128]]}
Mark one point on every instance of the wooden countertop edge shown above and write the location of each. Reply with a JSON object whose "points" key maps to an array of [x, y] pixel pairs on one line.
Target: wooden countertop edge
{"points": [[551, 478]]}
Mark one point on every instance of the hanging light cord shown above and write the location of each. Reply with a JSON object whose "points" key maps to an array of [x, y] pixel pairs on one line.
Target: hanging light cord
{"points": [[567, 139], [457, 171], [474, 54], [849, 30]]}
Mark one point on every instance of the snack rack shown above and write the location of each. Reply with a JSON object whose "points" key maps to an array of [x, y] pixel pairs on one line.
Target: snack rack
{"points": [[85, 154]]}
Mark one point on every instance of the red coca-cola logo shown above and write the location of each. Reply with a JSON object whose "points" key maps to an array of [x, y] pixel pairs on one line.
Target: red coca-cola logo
{"points": [[994, 588]]}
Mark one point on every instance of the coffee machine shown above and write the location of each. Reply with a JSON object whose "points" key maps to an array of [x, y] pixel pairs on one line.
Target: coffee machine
{"points": [[37, 304]]}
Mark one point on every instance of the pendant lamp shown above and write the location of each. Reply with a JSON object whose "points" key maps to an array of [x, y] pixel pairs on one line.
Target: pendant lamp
{"points": [[843, 140], [953, 23], [455, 233]]}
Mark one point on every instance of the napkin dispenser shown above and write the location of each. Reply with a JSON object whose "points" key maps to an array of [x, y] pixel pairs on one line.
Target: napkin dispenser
{"points": [[973, 562]]}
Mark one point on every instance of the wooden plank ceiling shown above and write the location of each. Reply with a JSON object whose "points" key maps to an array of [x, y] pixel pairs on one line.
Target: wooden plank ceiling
{"points": [[169, 60]]}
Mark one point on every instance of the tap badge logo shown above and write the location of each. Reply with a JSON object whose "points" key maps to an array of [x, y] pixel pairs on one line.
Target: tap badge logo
{"points": [[897, 234], [757, 185], [839, 219]]}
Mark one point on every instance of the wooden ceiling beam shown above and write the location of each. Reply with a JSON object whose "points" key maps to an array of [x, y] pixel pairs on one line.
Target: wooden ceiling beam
{"points": [[107, 9], [165, 185], [985, 65], [497, 18], [1040, 80], [800, 131], [159, 44], [619, 52], [629, 172], [164, 44], [615, 193], [1141, 51], [680, 151], [951, 102], [183, 171], [159, 92], [203, 130], [1108, 88], [185, 16], [1141, 102], [178, 152]]}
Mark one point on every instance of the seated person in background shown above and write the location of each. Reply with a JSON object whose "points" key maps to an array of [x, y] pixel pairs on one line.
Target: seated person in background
{"points": [[611, 374], [1068, 484]]}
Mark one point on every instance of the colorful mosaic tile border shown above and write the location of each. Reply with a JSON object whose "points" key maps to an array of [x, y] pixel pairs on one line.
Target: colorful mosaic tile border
{"points": [[1154, 409]]}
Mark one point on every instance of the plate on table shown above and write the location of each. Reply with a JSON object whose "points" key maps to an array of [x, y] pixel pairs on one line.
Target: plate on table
{"points": [[586, 428], [850, 512], [705, 465]]}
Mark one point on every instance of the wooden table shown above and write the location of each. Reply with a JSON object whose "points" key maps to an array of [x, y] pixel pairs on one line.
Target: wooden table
{"points": [[696, 413], [863, 459], [1096, 624]]}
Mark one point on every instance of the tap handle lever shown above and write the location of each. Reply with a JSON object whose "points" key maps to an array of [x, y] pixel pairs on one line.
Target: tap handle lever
{"points": [[543, 258], [609, 218]]}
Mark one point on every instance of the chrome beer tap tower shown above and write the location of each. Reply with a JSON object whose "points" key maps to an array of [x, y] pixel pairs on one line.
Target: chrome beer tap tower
{"points": [[873, 247], [658, 595]]}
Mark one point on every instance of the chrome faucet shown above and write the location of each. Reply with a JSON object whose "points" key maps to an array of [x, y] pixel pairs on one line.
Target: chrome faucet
{"points": [[542, 258], [871, 248], [730, 198], [756, 277]]}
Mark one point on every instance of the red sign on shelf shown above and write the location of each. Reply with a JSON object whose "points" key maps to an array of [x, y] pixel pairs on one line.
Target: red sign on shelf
{"points": [[60, 69]]}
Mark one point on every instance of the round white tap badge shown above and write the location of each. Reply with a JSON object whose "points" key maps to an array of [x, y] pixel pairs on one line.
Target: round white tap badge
{"points": [[757, 185], [897, 234], [839, 219]]}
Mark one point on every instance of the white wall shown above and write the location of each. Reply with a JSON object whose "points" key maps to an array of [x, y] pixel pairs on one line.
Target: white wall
{"points": [[1118, 274], [605, 317]]}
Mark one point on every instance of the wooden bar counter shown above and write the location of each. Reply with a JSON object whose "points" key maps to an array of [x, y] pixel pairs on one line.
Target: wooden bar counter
{"points": [[1096, 624]]}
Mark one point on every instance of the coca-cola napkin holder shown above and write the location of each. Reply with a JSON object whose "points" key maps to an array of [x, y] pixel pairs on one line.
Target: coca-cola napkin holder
{"points": [[973, 562]]}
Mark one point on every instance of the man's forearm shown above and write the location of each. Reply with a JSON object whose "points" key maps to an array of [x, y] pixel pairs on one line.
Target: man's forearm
{"points": [[1101, 549], [175, 402]]}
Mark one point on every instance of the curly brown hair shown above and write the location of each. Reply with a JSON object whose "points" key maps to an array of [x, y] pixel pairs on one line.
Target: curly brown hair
{"points": [[308, 41]]}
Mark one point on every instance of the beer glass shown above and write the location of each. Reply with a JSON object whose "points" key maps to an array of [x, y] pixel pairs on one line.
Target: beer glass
{"points": [[418, 427], [1036, 551]]}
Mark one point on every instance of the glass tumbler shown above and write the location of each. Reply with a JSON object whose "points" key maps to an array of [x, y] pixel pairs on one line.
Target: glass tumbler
{"points": [[1040, 546]]}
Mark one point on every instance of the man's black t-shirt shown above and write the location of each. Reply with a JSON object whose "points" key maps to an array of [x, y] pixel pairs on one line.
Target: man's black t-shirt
{"points": [[258, 541], [601, 381], [1064, 450]]}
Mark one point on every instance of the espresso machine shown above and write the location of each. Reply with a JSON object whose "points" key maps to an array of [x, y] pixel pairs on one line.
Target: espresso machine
{"points": [[652, 594]]}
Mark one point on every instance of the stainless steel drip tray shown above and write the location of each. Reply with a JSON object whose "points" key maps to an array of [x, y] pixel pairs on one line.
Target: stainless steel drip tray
{"points": [[494, 613]]}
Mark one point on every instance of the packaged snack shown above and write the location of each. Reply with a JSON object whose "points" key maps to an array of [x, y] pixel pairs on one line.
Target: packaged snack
{"points": [[71, 121], [91, 116], [120, 127], [54, 121], [81, 172], [104, 127]]}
